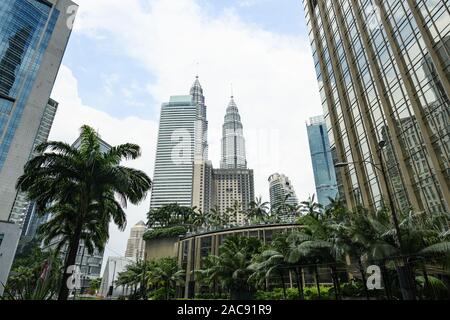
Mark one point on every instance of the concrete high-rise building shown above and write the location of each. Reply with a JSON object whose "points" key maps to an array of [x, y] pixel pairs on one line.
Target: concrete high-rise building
{"points": [[136, 244], [322, 161], [182, 152], [33, 38], [383, 75], [281, 192], [233, 186], [233, 183], [202, 192]]}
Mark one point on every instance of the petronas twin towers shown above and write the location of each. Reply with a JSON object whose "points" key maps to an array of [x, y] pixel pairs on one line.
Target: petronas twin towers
{"points": [[183, 173], [233, 142]]}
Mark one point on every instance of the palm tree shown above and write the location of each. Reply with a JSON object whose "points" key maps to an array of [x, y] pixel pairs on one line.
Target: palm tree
{"points": [[91, 181], [167, 273], [136, 274], [268, 262], [258, 210], [230, 267], [311, 208]]}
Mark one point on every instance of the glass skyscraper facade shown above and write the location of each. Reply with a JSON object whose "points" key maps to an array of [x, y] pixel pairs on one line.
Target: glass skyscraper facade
{"points": [[33, 38], [25, 31], [322, 161], [383, 73]]}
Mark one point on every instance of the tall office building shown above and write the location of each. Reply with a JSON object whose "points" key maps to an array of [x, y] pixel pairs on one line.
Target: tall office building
{"points": [[201, 132], [136, 244], [33, 37], [322, 160], [233, 182], [282, 191], [23, 212], [383, 72], [182, 151]]}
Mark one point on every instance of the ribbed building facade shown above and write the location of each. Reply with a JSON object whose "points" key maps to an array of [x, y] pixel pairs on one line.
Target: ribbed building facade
{"points": [[383, 73], [174, 165], [24, 213], [322, 161]]}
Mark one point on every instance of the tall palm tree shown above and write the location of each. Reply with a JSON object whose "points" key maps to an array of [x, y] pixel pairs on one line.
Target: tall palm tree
{"points": [[93, 182], [258, 210], [311, 207], [167, 273]]}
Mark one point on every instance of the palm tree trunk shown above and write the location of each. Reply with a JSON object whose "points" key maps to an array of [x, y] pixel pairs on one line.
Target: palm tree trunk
{"points": [[385, 276], [363, 277], [282, 283], [299, 283], [335, 286], [427, 283], [316, 276], [71, 260]]}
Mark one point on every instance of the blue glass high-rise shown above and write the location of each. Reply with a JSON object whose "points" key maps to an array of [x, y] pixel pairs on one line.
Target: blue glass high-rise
{"points": [[322, 160]]}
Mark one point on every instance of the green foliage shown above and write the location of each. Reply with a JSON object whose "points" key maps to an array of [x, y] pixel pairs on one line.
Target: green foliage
{"points": [[230, 268], [310, 293], [212, 296], [155, 278], [170, 215], [34, 275], [160, 233], [161, 294], [94, 285]]}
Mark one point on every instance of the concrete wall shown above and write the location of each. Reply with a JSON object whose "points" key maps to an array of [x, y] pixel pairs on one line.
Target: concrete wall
{"points": [[10, 233], [161, 248]]}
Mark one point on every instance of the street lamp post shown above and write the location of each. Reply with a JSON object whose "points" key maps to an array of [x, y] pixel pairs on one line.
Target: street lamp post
{"points": [[407, 293]]}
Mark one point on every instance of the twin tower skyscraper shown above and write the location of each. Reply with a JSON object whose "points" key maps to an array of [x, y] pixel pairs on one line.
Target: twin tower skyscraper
{"points": [[183, 173]]}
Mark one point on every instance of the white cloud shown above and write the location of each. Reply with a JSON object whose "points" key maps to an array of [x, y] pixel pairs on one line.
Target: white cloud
{"points": [[272, 75], [73, 113]]}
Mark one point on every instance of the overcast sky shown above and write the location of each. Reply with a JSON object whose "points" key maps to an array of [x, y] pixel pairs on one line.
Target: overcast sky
{"points": [[127, 57]]}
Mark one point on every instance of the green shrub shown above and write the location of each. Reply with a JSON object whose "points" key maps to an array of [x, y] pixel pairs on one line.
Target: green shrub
{"points": [[211, 296], [310, 293], [160, 294], [161, 233]]}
